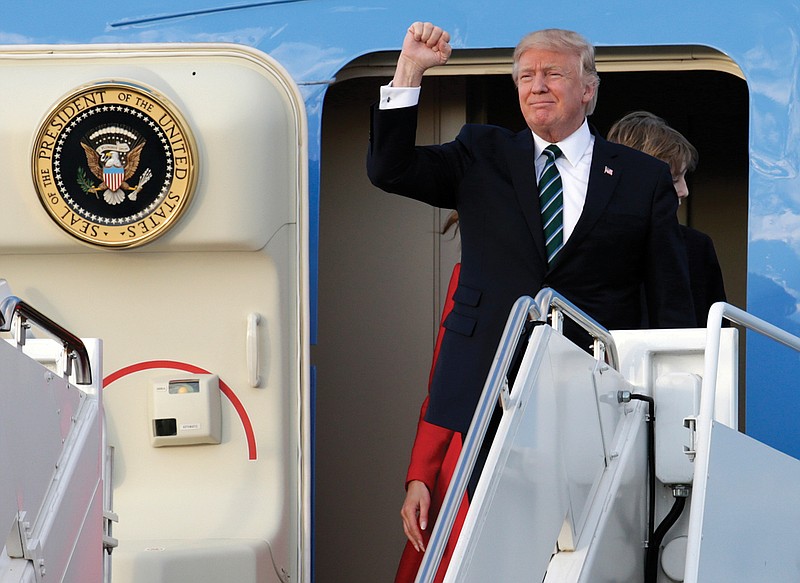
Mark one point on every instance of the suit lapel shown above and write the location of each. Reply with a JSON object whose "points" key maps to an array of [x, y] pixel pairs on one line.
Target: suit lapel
{"points": [[603, 178], [519, 152]]}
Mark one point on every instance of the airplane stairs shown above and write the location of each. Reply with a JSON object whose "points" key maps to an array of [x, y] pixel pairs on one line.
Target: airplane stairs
{"points": [[566, 493], [53, 492]]}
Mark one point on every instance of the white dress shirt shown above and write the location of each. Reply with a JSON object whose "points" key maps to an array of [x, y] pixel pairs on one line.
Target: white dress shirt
{"points": [[396, 97]]}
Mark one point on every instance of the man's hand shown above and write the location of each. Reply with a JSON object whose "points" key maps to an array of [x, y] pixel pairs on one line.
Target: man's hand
{"points": [[415, 513], [424, 46]]}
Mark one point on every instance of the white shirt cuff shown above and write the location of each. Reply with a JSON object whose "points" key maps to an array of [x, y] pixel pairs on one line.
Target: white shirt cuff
{"points": [[396, 97]]}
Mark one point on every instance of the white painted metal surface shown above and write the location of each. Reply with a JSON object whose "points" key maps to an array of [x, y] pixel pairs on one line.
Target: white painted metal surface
{"points": [[51, 454], [678, 397], [545, 465], [744, 514], [751, 513], [619, 508], [183, 303]]}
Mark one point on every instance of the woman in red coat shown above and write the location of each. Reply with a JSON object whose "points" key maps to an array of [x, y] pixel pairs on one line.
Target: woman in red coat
{"points": [[433, 460]]}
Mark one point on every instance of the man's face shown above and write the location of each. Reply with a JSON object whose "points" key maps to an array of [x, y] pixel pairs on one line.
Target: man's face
{"points": [[552, 93]]}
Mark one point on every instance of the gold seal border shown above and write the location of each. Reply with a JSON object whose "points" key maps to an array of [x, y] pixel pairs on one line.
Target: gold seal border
{"points": [[137, 97]]}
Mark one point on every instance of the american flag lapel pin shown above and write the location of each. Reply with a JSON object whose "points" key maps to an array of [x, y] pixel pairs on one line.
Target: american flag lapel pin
{"points": [[608, 171]]}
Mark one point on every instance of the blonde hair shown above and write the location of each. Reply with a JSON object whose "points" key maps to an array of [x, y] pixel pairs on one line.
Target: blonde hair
{"points": [[649, 133], [563, 41]]}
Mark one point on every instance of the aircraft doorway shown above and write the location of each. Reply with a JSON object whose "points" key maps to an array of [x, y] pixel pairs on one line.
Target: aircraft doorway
{"points": [[383, 268]]}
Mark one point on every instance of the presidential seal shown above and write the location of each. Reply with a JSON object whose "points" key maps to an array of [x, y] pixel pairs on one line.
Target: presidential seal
{"points": [[114, 165]]}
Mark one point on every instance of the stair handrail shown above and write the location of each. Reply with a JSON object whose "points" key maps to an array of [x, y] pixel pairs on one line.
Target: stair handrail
{"points": [[13, 309], [552, 302], [716, 313], [703, 422]]}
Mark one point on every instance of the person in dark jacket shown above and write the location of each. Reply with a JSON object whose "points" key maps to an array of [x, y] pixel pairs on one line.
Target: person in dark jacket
{"points": [[651, 134]]}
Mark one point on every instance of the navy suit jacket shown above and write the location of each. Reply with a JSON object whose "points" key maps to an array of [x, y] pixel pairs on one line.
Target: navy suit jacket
{"points": [[627, 239]]}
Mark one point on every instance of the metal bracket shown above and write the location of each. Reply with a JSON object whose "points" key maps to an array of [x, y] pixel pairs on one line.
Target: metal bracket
{"points": [[20, 545], [15, 542], [557, 318], [505, 396], [109, 542], [691, 424]]}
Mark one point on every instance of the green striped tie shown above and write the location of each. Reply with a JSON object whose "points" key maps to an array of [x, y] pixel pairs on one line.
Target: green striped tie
{"points": [[551, 200]]}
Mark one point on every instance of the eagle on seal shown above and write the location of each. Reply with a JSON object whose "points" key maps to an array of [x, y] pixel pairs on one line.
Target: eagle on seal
{"points": [[113, 155]]}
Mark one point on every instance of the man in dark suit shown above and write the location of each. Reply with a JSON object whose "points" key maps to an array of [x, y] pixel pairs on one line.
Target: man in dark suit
{"points": [[619, 235]]}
